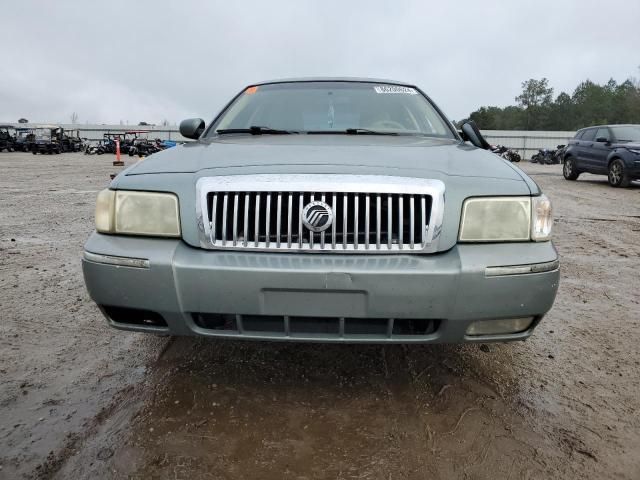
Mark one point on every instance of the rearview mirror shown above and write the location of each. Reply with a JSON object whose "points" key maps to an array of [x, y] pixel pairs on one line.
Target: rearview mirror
{"points": [[192, 128], [471, 132]]}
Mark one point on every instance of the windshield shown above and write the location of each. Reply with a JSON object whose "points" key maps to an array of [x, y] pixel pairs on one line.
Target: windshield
{"points": [[628, 133], [333, 107]]}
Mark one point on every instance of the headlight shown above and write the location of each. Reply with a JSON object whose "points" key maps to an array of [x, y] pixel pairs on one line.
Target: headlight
{"points": [[506, 219], [137, 213], [633, 150]]}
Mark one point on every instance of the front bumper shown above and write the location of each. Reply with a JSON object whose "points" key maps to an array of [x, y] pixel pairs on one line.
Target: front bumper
{"points": [[181, 285]]}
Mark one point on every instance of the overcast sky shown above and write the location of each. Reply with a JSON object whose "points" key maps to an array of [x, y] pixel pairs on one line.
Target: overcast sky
{"points": [[153, 60]]}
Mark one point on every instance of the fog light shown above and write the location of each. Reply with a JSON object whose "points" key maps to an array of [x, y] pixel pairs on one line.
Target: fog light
{"points": [[496, 327]]}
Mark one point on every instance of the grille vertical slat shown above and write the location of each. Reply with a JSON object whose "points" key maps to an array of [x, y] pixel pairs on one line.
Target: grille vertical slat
{"points": [[412, 221], [225, 208], [256, 232], [384, 222], [333, 226], [214, 218], [289, 215], [235, 219], [423, 224], [400, 221], [389, 221], [310, 232], [324, 199], [278, 219], [300, 204], [356, 230], [367, 211], [345, 220], [267, 221], [378, 220], [247, 199]]}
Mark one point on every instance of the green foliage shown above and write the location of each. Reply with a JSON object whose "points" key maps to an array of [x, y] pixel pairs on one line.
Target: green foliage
{"points": [[590, 104]]}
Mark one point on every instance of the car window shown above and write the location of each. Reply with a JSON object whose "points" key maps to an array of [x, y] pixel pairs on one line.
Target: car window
{"points": [[589, 134], [626, 133], [578, 134], [333, 107], [603, 133]]}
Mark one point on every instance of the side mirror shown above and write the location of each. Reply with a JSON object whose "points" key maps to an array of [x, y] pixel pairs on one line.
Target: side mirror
{"points": [[471, 132], [192, 128], [602, 140]]}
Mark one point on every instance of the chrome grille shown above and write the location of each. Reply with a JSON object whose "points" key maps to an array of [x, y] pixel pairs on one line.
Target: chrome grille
{"points": [[370, 213]]}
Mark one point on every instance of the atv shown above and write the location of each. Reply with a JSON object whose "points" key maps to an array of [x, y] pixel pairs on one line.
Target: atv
{"points": [[7, 139], [48, 139]]}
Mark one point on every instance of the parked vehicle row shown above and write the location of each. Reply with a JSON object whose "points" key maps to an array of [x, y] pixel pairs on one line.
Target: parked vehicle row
{"points": [[42, 139], [130, 144], [612, 150]]}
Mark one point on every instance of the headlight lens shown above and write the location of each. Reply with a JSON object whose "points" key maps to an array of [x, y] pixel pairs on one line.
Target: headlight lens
{"points": [[137, 213], [506, 219], [496, 219]]}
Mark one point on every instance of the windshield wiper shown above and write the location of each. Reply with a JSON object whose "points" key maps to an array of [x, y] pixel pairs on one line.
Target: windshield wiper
{"points": [[366, 131], [255, 130], [350, 131]]}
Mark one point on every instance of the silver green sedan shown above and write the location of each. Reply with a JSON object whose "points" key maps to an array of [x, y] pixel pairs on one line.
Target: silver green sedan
{"points": [[325, 210]]}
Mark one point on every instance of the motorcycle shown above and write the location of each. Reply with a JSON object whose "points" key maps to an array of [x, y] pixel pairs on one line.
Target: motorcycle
{"points": [[559, 154], [506, 153], [544, 156]]}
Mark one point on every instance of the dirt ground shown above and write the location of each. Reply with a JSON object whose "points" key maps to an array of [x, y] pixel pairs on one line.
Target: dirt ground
{"points": [[81, 400]]}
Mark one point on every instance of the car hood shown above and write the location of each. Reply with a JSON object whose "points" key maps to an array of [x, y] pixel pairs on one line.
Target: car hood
{"points": [[402, 155]]}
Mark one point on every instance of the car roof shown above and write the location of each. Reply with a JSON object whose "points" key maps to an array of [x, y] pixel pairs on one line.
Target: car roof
{"points": [[612, 125], [335, 79]]}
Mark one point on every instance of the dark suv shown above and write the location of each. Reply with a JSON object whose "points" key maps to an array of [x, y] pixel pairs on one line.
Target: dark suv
{"points": [[612, 150]]}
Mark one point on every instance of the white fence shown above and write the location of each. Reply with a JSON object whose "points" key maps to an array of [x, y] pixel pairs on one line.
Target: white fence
{"points": [[525, 142]]}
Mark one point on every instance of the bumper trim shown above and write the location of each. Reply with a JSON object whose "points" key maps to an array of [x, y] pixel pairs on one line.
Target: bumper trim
{"points": [[522, 269], [117, 261]]}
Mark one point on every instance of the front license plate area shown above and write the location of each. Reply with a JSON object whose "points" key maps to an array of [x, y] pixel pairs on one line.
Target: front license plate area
{"points": [[309, 303]]}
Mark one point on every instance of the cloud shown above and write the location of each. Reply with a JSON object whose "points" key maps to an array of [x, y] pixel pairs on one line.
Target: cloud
{"points": [[150, 60]]}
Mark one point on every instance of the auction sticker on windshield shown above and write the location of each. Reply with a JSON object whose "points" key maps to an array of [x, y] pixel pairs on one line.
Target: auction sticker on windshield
{"points": [[395, 89]]}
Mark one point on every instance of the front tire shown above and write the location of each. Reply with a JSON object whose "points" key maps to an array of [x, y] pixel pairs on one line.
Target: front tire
{"points": [[618, 176], [569, 169]]}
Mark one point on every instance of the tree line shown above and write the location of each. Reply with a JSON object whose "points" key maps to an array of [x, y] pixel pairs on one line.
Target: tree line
{"points": [[590, 104]]}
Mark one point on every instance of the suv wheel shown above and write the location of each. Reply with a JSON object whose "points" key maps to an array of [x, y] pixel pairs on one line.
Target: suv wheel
{"points": [[618, 176], [569, 169]]}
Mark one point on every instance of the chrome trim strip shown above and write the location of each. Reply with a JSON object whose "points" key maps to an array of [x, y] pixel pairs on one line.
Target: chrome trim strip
{"points": [[377, 185], [117, 261], [522, 269]]}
